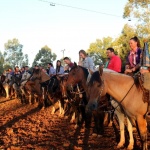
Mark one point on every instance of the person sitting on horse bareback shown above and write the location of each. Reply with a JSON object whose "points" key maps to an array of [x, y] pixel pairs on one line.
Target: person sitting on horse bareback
{"points": [[86, 62]]}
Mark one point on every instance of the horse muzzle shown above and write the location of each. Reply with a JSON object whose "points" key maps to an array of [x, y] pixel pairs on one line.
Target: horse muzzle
{"points": [[91, 106]]}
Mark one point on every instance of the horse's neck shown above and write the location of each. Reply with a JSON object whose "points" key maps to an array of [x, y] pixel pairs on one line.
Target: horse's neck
{"points": [[117, 84]]}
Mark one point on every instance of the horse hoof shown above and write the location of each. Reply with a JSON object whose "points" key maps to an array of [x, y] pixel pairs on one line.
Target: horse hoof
{"points": [[76, 126], [119, 146], [94, 135], [99, 135]]}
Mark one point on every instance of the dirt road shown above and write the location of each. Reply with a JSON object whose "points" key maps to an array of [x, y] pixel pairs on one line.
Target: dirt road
{"points": [[25, 127]]}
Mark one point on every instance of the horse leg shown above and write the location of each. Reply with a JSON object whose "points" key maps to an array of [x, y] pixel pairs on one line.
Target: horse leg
{"points": [[6, 87], [61, 110], [30, 98], [99, 122], [130, 130], [53, 110], [142, 126], [120, 117], [106, 116]]}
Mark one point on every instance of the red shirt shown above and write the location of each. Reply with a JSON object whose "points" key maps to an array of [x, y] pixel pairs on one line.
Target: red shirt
{"points": [[115, 63]]}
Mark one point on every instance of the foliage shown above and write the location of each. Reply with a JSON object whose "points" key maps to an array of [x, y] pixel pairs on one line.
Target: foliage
{"points": [[97, 50], [121, 44], [13, 54], [44, 56], [139, 9], [1, 63]]}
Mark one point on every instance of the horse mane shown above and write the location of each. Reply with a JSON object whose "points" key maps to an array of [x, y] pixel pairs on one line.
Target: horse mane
{"points": [[86, 73], [95, 77], [36, 71]]}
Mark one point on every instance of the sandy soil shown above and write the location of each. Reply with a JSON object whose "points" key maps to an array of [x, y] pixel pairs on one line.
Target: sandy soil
{"points": [[25, 127]]}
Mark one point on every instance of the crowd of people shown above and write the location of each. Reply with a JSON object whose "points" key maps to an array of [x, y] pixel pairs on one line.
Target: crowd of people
{"points": [[113, 62]]}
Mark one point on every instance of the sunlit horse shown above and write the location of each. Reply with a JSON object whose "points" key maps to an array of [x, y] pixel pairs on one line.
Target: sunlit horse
{"points": [[77, 85], [78, 75], [33, 85], [123, 89]]}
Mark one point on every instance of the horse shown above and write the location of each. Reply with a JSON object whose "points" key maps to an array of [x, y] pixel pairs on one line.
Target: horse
{"points": [[54, 93], [2, 89], [33, 85], [124, 90], [76, 86], [7, 89]]}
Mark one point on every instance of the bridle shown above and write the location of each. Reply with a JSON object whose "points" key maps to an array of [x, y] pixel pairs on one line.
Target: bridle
{"points": [[119, 103]]}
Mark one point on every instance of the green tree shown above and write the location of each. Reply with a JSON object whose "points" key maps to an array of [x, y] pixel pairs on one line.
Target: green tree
{"points": [[121, 44], [139, 10], [13, 54], [1, 63], [44, 56], [97, 50]]}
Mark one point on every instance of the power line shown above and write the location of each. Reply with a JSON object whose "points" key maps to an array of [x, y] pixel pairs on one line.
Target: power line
{"points": [[53, 4]]}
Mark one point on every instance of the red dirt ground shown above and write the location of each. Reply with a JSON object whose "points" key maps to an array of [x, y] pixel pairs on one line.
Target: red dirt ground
{"points": [[25, 127]]}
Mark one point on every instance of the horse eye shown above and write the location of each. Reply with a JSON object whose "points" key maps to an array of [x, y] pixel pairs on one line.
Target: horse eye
{"points": [[98, 85]]}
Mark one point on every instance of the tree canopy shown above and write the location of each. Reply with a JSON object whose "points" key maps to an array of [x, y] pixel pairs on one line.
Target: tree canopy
{"points": [[13, 54], [44, 56]]}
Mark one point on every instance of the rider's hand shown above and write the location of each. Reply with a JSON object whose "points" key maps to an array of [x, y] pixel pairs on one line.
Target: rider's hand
{"points": [[128, 71]]}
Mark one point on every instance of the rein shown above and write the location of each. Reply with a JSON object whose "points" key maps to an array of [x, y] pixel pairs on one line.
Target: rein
{"points": [[78, 90], [119, 103]]}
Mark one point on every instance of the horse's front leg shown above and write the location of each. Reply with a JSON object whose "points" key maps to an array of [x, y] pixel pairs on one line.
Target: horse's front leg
{"points": [[130, 130], [61, 107], [142, 125], [120, 117], [41, 102], [99, 122]]}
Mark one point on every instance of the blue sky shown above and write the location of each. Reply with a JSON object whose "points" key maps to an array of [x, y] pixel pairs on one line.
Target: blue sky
{"points": [[36, 23]]}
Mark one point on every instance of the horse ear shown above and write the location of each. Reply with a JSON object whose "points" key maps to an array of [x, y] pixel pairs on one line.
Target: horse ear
{"points": [[100, 70], [91, 72], [75, 64]]}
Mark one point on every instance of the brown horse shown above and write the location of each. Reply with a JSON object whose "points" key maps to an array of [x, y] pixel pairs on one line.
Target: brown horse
{"points": [[33, 86], [123, 89]]}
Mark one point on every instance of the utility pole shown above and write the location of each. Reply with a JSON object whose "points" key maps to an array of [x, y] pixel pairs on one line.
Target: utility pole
{"points": [[63, 52]]}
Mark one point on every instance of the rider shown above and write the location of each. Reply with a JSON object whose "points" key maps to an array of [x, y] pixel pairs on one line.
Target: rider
{"points": [[59, 67], [114, 61], [86, 62], [51, 71], [25, 76], [68, 62], [17, 73], [134, 56]]}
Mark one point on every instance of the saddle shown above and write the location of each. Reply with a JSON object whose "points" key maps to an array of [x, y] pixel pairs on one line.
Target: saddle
{"points": [[144, 85]]}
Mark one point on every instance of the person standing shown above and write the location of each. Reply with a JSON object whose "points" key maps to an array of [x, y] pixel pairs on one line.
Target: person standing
{"points": [[114, 60], [133, 57]]}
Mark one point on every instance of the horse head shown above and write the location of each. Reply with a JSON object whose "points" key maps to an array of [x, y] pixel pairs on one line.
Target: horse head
{"points": [[95, 90], [77, 75], [38, 74], [63, 81]]}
